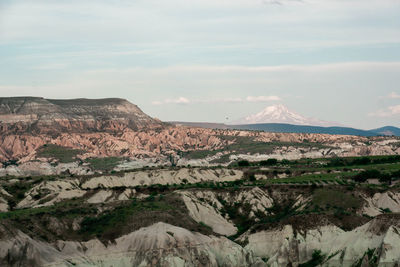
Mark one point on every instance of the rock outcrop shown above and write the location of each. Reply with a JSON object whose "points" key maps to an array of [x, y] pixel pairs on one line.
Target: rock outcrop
{"points": [[380, 202], [205, 206], [36, 115], [160, 244], [378, 241], [49, 192]]}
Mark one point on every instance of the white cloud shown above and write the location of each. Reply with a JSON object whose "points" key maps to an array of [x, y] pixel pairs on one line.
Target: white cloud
{"points": [[185, 100], [280, 2], [156, 102], [263, 98], [179, 100], [393, 95], [388, 112]]}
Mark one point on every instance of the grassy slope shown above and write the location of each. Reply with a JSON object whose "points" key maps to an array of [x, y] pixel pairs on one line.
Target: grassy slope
{"points": [[62, 154]]}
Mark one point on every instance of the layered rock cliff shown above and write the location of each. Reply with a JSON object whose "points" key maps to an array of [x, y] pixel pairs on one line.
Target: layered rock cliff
{"points": [[36, 115], [160, 244]]}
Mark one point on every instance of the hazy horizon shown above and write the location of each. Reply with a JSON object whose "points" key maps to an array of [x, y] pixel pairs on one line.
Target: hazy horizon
{"points": [[209, 60]]}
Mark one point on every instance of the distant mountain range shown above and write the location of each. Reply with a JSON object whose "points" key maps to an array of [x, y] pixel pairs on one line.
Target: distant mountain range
{"points": [[290, 128], [387, 130]]}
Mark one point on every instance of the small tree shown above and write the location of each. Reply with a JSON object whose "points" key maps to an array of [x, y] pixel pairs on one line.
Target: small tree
{"points": [[268, 162], [243, 163], [252, 177]]}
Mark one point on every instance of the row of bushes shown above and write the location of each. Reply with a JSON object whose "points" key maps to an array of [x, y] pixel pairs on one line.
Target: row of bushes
{"points": [[339, 162], [333, 162], [246, 163], [384, 177]]}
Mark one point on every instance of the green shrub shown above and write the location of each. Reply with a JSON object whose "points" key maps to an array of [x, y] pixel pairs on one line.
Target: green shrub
{"points": [[367, 174], [243, 163], [317, 258], [60, 153], [104, 164], [268, 162]]}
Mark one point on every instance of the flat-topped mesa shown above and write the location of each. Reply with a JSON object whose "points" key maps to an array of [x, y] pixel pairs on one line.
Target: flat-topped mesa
{"points": [[35, 115]]}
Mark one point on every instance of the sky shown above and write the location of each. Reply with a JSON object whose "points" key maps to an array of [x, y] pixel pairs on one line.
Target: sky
{"points": [[209, 60]]}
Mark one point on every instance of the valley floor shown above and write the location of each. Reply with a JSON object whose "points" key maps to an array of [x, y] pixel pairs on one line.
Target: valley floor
{"points": [[305, 212]]}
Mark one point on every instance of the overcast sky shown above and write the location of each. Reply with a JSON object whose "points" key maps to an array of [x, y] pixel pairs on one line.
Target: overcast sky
{"points": [[209, 60]]}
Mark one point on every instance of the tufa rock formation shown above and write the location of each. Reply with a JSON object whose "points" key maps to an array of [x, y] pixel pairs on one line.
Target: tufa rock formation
{"points": [[37, 115]]}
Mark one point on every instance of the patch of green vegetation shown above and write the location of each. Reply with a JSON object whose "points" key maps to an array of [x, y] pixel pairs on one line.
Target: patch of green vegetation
{"points": [[317, 258], [69, 208], [309, 178], [359, 161], [268, 162], [18, 189], [106, 221], [243, 163], [119, 216], [384, 176], [205, 225], [371, 257], [199, 154], [335, 198], [386, 210], [239, 213], [10, 162], [60, 153], [104, 164]]}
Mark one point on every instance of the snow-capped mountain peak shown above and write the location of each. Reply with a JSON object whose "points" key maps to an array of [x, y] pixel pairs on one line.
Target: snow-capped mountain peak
{"points": [[281, 114]]}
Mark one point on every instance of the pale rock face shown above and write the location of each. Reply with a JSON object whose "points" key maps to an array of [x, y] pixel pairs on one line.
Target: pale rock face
{"points": [[101, 197], [53, 192], [3, 205], [387, 200], [48, 193], [160, 244], [259, 200], [204, 206], [36, 168], [25, 251], [283, 245], [4, 192], [390, 246], [271, 244], [104, 196], [140, 163], [138, 178], [301, 202], [202, 211]]}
